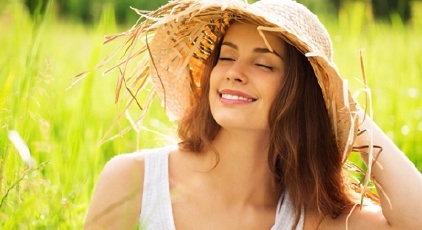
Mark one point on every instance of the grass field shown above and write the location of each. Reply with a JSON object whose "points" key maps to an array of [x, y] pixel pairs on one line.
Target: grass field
{"points": [[63, 127]]}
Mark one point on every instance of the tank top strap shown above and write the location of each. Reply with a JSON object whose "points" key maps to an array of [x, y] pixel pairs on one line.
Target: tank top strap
{"points": [[285, 215], [156, 211]]}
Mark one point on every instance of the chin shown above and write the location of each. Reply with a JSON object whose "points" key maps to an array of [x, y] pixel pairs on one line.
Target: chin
{"points": [[231, 122]]}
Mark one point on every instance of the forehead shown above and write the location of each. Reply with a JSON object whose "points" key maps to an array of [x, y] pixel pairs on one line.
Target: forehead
{"points": [[244, 32]]}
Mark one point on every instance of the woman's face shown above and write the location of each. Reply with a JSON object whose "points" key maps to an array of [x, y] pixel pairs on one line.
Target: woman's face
{"points": [[247, 78]]}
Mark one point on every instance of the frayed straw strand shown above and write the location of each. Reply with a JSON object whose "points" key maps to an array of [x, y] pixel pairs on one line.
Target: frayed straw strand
{"points": [[158, 74], [349, 215]]}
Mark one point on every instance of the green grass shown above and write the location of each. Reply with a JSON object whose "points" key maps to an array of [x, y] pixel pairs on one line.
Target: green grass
{"points": [[392, 56], [63, 128]]}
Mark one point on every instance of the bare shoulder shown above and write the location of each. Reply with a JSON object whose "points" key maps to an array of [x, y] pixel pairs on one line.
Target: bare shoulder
{"points": [[131, 165], [367, 217], [117, 198]]}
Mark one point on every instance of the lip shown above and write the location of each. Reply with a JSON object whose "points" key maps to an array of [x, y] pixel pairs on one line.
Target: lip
{"points": [[236, 92], [235, 101]]}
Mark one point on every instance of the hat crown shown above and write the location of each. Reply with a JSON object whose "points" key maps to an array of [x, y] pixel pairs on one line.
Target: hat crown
{"points": [[298, 20]]}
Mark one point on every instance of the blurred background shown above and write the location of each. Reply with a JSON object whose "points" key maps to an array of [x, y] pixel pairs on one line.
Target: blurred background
{"points": [[53, 133]]}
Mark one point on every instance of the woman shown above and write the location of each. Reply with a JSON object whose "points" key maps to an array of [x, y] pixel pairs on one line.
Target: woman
{"points": [[265, 127]]}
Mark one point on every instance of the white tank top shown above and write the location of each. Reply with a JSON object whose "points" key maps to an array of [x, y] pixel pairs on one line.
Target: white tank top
{"points": [[156, 211]]}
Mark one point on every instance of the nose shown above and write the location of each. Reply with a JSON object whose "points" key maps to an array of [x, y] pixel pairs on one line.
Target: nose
{"points": [[237, 74]]}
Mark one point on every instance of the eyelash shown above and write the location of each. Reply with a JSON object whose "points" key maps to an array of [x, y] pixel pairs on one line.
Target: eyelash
{"points": [[259, 65], [265, 66], [225, 59]]}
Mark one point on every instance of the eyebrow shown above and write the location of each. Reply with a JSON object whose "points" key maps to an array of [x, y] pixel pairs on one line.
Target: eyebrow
{"points": [[257, 50]]}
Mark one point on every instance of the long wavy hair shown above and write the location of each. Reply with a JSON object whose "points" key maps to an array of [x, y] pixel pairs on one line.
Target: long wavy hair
{"points": [[303, 154]]}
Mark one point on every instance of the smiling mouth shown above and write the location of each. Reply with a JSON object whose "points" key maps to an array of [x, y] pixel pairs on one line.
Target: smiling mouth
{"points": [[235, 97]]}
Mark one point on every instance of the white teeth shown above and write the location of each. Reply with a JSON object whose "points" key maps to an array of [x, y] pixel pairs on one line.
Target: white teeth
{"points": [[235, 97]]}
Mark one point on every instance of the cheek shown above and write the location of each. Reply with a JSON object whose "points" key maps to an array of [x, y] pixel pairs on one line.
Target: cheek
{"points": [[271, 87], [272, 91], [276, 88], [214, 79], [277, 85], [213, 86]]}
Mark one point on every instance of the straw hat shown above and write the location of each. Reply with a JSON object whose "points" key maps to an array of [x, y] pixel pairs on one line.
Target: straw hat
{"points": [[180, 35]]}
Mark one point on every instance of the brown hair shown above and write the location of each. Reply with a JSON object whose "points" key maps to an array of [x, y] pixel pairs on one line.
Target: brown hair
{"points": [[303, 153], [198, 127]]}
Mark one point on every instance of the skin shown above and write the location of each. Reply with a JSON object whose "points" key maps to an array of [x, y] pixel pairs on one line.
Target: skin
{"points": [[240, 193], [246, 67]]}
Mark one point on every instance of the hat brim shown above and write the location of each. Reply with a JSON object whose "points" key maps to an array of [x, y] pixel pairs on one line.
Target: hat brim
{"points": [[182, 34]]}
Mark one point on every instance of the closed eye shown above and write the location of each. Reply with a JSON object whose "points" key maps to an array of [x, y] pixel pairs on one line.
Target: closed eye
{"points": [[225, 59], [265, 66]]}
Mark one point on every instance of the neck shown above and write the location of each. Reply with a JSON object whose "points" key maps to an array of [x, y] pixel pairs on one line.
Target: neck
{"points": [[242, 174]]}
